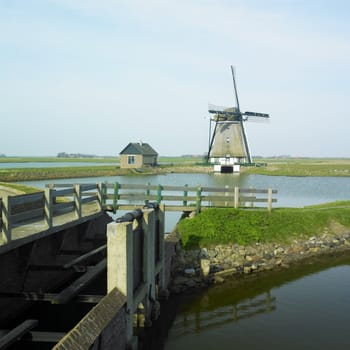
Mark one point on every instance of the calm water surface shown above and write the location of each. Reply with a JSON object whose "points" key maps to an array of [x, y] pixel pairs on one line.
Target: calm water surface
{"points": [[304, 307], [292, 191]]}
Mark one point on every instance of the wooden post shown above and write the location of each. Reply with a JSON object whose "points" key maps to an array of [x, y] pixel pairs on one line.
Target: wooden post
{"points": [[100, 196], [185, 196], [252, 197], [269, 199], [6, 220], [120, 267], [77, 200], [159, 194], [226, 195], [49, 206], [115, 196], [147, 193], [236, 198], [199, 199]]}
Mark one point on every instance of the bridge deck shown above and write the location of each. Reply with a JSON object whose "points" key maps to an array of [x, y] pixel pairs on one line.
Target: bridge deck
{"points": [[37, 228]]}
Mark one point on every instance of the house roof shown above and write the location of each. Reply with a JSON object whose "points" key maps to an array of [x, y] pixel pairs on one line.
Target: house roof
{"points": [[139, 148]]}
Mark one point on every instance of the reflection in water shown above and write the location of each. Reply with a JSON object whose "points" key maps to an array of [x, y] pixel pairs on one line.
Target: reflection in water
{"points": [[304, 307], [203, 319]]}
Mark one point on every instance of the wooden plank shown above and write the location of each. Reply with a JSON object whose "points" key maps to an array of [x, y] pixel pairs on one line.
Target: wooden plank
{"points": [[29, 215], [16, 333], [84, 257], [71, 291], [59, 185], [88, 187], [36, 296], [63, 193], [64, 206], [26, 198], [89, 199]]}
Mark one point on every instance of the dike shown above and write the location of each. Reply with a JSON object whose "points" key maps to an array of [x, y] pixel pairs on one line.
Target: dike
{"points": [[202, 267]]}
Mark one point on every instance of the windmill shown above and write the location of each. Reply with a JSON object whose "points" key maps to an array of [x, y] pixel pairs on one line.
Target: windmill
{"points": [[228, 144]]}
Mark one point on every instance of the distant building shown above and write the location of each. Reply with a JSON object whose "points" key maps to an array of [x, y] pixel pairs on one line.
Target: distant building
{"points": [[137, 155]]}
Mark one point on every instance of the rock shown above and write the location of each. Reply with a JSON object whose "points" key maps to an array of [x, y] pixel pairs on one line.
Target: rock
{"points": [[203, 254], [218, 280], [189, 272], [205, 267], [190, 283], [247, 269]]}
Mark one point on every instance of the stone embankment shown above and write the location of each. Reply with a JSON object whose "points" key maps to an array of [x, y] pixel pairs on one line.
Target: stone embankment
{"points": [[198, 268]]}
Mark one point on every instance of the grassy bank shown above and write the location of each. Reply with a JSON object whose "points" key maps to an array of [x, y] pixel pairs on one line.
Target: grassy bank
{"points": [[244, 227], [302, 167], [275, 166]]}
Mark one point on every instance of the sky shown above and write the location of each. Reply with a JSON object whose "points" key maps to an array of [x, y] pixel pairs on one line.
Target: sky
{"points": [[90, 76]]}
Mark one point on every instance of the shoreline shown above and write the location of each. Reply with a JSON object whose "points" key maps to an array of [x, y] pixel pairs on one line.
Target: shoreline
{"points": [[196, 269]]}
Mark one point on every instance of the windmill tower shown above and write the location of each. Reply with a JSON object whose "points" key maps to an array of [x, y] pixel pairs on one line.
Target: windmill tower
{"points": [[228, 144]]}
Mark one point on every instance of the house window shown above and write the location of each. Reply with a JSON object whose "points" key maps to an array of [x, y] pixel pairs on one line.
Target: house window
{"points": [[131, 159]]}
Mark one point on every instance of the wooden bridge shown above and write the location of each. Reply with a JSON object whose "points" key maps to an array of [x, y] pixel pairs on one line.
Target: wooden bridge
{"points": [[131, 256], [24, 218]]}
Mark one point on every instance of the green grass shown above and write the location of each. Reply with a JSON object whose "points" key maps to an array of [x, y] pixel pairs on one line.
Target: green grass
{"points": [[28, 174], [56, 160], [244, 227], [22, 188], [303, 167]]}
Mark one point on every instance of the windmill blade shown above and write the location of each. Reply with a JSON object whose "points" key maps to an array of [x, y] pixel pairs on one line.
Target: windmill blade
{"points": [[256, 114], [223, 110], [235, 87]]}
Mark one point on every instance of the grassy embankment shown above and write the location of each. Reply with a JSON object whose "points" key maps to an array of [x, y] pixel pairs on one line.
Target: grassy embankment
{"points": [[245, 227], [167, 164], [302, 167], [275, 166], [219, 225]]}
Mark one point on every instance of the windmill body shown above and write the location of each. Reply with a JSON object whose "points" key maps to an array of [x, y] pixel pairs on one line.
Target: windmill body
{"points": [[228, 144]]}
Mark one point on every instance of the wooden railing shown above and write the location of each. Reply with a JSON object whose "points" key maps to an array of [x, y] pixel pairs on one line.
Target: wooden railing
{"points": [[44, 207], [184, 198], [76, 201]]}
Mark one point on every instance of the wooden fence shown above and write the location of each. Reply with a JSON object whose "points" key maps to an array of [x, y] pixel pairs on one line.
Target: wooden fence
{"points": [[50, 207], [184, 198], [76, 201]]}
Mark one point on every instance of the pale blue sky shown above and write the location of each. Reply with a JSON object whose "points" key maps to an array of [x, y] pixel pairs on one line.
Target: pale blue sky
{"points": [[90, 76]]}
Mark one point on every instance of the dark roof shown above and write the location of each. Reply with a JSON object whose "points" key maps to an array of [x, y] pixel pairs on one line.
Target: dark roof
{"points": [[139, 148]]}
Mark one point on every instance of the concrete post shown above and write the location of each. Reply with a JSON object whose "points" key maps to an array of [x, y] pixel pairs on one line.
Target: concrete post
{"points": [[148, 226], [120, 267], [161, 219]]}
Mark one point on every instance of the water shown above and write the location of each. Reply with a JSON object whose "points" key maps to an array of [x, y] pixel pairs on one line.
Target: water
{"points": [[305, 307], [292, 191], [51, 164]]}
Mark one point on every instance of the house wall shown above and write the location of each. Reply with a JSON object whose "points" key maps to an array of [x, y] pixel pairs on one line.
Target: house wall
{"points": [[150, 160], [140, 161], [124, 161]]}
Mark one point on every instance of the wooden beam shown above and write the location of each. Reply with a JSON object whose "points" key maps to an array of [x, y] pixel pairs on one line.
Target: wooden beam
{"points": [[84, 257], [73, 290], [16, 333]]}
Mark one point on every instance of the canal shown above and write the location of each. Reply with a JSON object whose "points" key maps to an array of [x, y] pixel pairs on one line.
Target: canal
{"points": [[304, 307]]}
